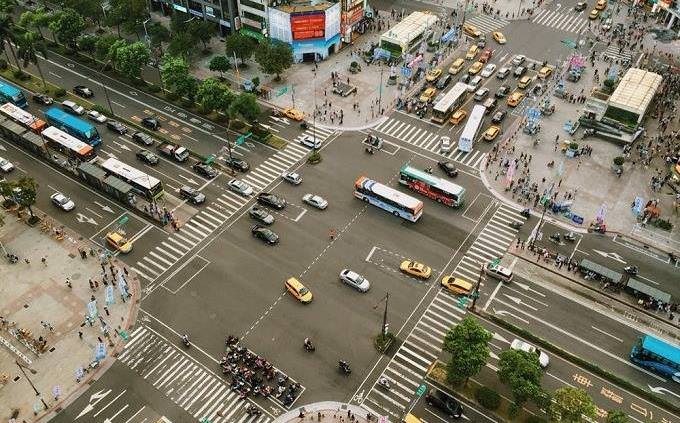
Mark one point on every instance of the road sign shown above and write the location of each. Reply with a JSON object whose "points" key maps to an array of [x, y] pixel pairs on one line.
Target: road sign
{"points": [[569, 43], [123, 335], [421, 390], [123, 220], [462, 301], [241, 139], [282, 91], [210, 159]]}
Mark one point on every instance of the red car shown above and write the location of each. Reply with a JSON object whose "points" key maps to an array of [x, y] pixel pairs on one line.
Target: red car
{"points": [[486, 55]]}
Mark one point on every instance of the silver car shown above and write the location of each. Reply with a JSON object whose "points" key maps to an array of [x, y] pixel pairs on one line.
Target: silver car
{"points": [[315, 201], [310, 142], [62, 201], [292, 177], [355, 280], [240, 187], [96, 116], [6, 165]]}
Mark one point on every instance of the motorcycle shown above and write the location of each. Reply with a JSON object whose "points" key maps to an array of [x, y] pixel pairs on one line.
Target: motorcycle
{"points": [[384, 382], [185, 341], [631, 270], [556, 238], [231, 340], [516, 225], [570, 237], [428, 170], [12, 258], [252, 410], [309, 346], [304, 125], [369, 150], [526, 213], [344, 366]]}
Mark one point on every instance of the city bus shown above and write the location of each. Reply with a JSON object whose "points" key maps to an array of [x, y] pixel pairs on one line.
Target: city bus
{"points": [[388, 199], [73, 126], [471, 130], [22, 117], [438, 189], [657, 356], [451, 102], [72, 147], [145, 185], [12, 94]]}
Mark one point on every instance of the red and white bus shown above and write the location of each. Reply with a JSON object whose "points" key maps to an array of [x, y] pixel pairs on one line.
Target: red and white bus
{"points": [[22, 117], [438, 189]]}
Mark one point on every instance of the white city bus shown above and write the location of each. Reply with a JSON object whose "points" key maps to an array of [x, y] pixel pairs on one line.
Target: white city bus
{"points": [[70, 146], [149, 187], [471, 130], [451, 102]]}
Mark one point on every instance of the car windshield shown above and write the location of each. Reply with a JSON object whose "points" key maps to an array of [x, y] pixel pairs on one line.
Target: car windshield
{"points": [[303, 291], [62, 200]]}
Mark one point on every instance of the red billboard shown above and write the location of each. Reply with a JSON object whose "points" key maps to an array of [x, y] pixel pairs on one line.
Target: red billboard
{"points": [[309, 25]]}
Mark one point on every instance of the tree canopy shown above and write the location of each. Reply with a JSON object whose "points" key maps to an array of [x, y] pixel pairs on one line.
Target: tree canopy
{"points": [[569, 405], [213, 95], [131, 58], [468, 344], [245, 105], [240, 45], [67, 25], [522, 372], [274, 58]]}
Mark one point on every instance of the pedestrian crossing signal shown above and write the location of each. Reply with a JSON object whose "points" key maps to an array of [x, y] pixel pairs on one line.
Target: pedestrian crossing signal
{"points": [[462, 302]]}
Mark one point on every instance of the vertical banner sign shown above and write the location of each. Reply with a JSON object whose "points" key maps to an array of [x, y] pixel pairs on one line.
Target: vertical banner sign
{"points": [[109, 295], [80, 373], [92, 308], [122, 285], [510, 174], [100, 351], [601, 213], [637, 206], [56, 391]]}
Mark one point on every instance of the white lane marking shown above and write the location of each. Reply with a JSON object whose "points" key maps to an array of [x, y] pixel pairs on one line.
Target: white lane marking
{"points": [[605, 333]]}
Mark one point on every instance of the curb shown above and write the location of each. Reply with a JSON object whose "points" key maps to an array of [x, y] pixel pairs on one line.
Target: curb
{"points": [[322, 406]]}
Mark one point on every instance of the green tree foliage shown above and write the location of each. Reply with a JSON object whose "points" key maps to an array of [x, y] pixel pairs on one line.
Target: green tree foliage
{"points": [[36, 19], [30, 44], [274, 58], [91, 9], [7, 29], [213, 95], [26, 191], [179, 22], [240, 45], [129, 14], [617, 416], [468, 344], [522, 372], [176, 78], [219, 64], [181, 44], [87, 43], [102, 46], [569, 405], [202, 31], [131, 58], [245, 105], [159, 34], [68, 25]]}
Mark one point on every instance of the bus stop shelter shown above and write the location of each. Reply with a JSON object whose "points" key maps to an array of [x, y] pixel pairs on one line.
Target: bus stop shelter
{"points": [[637, 287], [598, 269]]}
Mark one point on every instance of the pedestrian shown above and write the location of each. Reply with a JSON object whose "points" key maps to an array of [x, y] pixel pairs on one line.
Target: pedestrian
{"points": [[44, 260], [80, 334], [27, 261], [68, 283], [96, 284], [91, 284], [106, 310]]}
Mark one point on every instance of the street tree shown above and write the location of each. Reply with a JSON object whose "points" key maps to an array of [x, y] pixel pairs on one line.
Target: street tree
{"points": [[26, 189], [522, 373], [87, 43], [31, 43], [213, 95], [179, 22], [239, 45], [91, 9], [202, 31], [245, 105], [112, 54], [274, 58], [158, 34], [68, 25], [176, 78], [131, 58], [8, 31], [36, 19], [128, 15], [102, 45], [468, 344], [617, 416], [181, 44], [569, 405], [219, 64], [115, 17]]}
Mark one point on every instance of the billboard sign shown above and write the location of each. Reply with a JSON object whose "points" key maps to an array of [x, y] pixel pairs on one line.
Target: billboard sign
{"points": [[308, 25]]}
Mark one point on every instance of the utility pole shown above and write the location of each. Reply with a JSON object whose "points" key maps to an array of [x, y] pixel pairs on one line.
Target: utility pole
{"points": [[385, 326], [380, 90], [37, 394], [106, 91], [314, 112], [475, 293], [540, 223]]}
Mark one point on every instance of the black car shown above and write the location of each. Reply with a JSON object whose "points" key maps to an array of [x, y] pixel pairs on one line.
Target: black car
{"points": [[465, 79], [271, 200], [443, 82], [204, 170], [499, 116], [448, 168], [142, 138], [580, 6], [83, 91], [192, 194], [147, 157], [116, 126], [43, 99], [503, 91], [445, 403], [237, 164], [519, 71], [265, 234], [151, 123]]}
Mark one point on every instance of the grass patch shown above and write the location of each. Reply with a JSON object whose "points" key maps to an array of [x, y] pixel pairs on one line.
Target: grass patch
{"points": [[276, 142]]}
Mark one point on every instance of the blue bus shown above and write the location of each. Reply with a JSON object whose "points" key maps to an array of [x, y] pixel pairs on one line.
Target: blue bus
{"points": [[658, 356], [73, 126], [11, 94]]}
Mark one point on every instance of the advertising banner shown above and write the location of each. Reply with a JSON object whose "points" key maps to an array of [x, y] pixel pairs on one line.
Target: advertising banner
{"points": [[308, 25]]}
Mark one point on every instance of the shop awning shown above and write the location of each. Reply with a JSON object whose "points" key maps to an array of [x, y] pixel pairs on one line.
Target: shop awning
{"points": [[638, 286], [601, 270]]}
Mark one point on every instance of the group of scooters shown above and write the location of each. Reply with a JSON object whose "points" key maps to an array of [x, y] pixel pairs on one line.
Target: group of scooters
{"points": [[249, 373]]}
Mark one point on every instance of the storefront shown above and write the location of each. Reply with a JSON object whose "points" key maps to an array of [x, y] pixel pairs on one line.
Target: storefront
{"points": [[352, 16]]}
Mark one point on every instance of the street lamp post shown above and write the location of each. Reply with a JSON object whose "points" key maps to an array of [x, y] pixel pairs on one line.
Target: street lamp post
{"points": [[540, 224], [37, 394], [475, 293], [314, 112], [380, 90], [106, 91], [146, 33], [383, 330]]}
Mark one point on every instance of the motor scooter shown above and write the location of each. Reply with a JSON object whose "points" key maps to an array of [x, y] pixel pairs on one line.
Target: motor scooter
{"points": [[631, 270], [344, 366]]}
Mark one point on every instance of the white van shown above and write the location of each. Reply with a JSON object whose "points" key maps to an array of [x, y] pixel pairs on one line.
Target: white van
{"points": [[499, 272], [445, 146]]}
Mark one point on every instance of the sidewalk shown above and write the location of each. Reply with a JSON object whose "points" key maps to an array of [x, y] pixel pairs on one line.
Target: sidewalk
{"points": [[43, 318], [327, 412]]}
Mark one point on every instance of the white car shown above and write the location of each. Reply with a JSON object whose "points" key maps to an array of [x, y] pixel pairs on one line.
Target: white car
{"points": [[519, 345], [354, 280], [240, 187], [503, 72], [519, 59], [292, 177], [489, 70], [96, 116], [62, 201], [445, 145], [73, 107], [309, 142], [5, 165], [315, 201]]}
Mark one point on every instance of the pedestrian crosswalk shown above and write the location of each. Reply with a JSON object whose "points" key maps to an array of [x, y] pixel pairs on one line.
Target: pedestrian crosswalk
{"points": [[213, 214], [314, 133], [486, 23], [191, 386], [407, 368], [422, 138], [615, 54], [568, 21]]}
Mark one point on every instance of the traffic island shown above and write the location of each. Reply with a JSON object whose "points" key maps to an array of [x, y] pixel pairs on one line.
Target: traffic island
{"points": [[327, 412]]}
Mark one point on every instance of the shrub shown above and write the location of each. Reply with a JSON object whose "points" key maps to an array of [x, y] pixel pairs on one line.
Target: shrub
{"points": [[513, 410], [535, 419], [18, 74], [154, 88], [618, 161], [186, 103], [314, 158], [488, 398], [59, 92], [573, 146], [3, 64], [237, 124], [663, 224], [172, 96]]}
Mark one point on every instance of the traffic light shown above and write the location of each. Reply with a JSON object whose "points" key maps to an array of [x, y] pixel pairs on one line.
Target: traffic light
{"points": [[386, 328]]}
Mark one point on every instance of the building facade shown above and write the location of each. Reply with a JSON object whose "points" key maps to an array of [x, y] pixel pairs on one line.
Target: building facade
{"points": [[222, 12]]}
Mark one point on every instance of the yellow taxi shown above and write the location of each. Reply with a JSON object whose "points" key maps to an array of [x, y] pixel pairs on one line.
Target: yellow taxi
{"points": [[416, 269], [491, 132], [545, 72], [594, 14], [524, 81], [298, 290], [456, 66], [471, 30], [456, 285], [475, 68], [294, 114], [458, 116], [433, 75], [410, 418], [499, 37], [601, 4], [428, 95], [472, 52], [515, 98], [119, 242]]}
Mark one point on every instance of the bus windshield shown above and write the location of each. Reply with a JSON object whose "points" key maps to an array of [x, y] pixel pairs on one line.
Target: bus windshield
{"points": [[445, 107], [389, 199], [431, 186], [474, 123], [14, 95]]}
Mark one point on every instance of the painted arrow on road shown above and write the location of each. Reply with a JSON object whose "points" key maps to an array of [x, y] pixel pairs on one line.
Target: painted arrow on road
{"points": [[528, 288], [662, 391], [104, 207], [518, 301], [89, 407], [507, 313], [612, 256], [498, 337], [190, 180], [122, 146], [85, 219], [2, 148]]}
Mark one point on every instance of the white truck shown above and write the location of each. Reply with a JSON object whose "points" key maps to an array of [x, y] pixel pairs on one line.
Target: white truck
{"points": [[176, 152]]}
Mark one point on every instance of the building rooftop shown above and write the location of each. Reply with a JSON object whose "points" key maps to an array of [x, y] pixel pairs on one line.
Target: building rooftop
{"points": [[636, 90], [411, 27], [304, 6]]}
